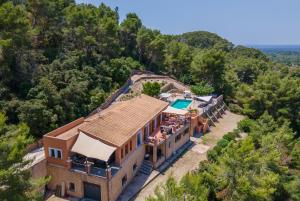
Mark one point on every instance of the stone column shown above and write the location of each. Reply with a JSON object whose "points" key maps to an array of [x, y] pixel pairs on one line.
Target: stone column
{"points": [[88, 167], [108, 173], [154, 156], [69, 163]]}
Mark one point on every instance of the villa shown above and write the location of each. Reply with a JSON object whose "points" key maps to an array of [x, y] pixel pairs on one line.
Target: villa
{"points": [[97, 157]]}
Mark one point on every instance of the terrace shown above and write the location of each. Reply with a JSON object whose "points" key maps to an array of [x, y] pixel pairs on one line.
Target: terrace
{"points": [[173, 121], [91, 166], [93, 157]]}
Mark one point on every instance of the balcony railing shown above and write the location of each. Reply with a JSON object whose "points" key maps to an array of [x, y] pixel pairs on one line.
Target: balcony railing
{"points": [[89, 168], [78, 166], [98, 171], [182, 128]]}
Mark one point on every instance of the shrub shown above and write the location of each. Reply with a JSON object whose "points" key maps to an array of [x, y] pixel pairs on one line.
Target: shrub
{"points": [[212, 155], [235, 108], [222, 143], [246, 124], [231, 135], [201, 89], [151, 88]]}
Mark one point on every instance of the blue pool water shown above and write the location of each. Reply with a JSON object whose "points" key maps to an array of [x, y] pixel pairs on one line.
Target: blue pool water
{"points": [[181, 103]]}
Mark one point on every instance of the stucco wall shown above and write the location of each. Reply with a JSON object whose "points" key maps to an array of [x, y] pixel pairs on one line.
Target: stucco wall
{"points": [[58, 144], [172, 146], [115, 185], [60, 174], [39, 170]]}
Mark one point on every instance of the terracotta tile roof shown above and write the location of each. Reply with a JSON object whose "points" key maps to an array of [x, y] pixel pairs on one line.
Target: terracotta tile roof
{"points": [[118, 123]]}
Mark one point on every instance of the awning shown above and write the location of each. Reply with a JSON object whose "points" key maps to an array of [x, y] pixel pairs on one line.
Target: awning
{"points": [[165, 95], [92, 148], [204, 98], [173, 110]]}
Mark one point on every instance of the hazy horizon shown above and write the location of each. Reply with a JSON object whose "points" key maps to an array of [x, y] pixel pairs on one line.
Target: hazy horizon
{"points": [[269, 22]]}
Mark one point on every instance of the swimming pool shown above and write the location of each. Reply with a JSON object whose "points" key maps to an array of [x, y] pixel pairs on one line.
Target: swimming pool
{"points": [[181, 103]]}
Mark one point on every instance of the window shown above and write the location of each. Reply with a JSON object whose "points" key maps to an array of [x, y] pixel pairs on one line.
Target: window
{"points": [[124, 180], [122, 153], [152, 126], [59, 154], [130, 145], [139, 139], [147, 130], [72, 187], [186, 131], [158, 119], [134, 167], [52, 153], [155, 123], [178, 137], [55, 153], [126, 149]]}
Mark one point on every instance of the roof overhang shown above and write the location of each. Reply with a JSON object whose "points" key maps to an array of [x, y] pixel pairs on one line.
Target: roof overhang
{"points": [[204, 98], [92, 148], [165, 95]]}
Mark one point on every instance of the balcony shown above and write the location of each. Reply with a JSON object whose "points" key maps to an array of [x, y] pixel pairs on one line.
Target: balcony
{"points": [[78, 166], [156, 138], [173, 124], [92, 166]]}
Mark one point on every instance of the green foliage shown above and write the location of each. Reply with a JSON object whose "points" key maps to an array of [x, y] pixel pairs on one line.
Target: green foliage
{"points": [[59, 61], [203, 39], [291, 58], [121, 68], [151, 46], [255, 168], [129, 29], [201, 89], [231, 135], [246, 124], [275, 93], [15, 179], [212, 155], [209, 66], [151, 88], [241, 51], [177, 58]]}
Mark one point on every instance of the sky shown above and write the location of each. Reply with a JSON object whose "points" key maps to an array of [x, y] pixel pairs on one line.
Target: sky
{"points": [[244, 22]]}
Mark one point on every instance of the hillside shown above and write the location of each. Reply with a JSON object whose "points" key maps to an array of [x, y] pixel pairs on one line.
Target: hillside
{"points": [[60, 60]]}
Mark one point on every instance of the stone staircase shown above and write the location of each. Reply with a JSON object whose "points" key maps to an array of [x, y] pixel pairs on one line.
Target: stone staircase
{"points": [[146, 167]]}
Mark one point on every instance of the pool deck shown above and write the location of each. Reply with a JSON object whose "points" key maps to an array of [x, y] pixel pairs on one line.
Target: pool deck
{"points": [[182, 103], [193, 105]]}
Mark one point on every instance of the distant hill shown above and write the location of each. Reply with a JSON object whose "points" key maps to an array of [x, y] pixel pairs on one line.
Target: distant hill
{"points": [[286, 54], [204, 39]]}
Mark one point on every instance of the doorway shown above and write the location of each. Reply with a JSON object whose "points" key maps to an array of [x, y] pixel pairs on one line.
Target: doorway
{"points": [[92, 191]]}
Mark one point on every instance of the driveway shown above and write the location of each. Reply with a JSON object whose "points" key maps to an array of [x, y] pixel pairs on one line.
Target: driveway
{"points": [[196, 153]]}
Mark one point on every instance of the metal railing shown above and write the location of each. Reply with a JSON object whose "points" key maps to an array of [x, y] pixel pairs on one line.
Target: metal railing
{"points": [[98, 171], [78, 166], [180, 130]]}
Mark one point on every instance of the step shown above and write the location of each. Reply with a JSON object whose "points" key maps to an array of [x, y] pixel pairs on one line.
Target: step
{"points": [[146, 167]]}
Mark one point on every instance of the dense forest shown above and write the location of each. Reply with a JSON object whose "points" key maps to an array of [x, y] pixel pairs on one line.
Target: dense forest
{"points": [[290, 58], [59, 60], [285, 54]]}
